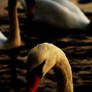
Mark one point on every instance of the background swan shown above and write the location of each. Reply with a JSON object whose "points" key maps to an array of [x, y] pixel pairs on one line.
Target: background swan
{"points": [[59, 13], [14, 39], [44, 57]]}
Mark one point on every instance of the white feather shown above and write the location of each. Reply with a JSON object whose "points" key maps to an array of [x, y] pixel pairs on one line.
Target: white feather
{"points": [[3, 39], [60, 13]]}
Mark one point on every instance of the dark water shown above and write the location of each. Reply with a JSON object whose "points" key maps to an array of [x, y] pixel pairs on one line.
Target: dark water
{"points": [[77, 44]]}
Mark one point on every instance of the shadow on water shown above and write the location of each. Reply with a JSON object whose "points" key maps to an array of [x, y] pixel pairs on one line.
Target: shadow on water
{"points": [[12, 67]]}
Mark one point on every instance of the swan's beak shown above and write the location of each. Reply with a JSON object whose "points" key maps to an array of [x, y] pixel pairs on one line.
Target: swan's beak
{"points": [[35, 84], [34, 78]]}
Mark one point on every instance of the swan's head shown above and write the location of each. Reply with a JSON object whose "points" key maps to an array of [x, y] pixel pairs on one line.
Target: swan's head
{"points": [[38, 67], [35, 73]]}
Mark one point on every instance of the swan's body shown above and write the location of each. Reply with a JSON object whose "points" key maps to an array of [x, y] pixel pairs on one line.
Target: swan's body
{"points": [[44, 57], [14, 39], [59, 13]]}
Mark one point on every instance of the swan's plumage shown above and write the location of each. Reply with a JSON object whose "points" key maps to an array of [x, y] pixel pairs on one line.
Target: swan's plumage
{"points": [[44, 57], [3, 39], [60, 13], [48, 52]]}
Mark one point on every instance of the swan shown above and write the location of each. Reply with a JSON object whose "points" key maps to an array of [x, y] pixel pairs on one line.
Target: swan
{"points": [[14, 39], [44, 57], [58, 13]]}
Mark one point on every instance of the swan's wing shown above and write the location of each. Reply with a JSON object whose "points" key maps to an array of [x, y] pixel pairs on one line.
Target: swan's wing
{"points": [[3, 39], [68, 4], [2, 36], [73, 9], [48, 12], [58, 14]]}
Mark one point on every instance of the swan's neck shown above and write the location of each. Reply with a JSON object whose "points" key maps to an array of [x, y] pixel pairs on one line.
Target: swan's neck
{"points": [[64, 77], [14, 37]]}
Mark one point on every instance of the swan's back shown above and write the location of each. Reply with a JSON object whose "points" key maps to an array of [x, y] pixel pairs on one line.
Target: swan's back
{"points": [[73, 9], [60, 13]]}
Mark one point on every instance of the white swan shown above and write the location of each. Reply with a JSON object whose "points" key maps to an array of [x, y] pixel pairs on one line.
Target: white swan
{"points": [[44, 57], [14, 39], [59, 13]]}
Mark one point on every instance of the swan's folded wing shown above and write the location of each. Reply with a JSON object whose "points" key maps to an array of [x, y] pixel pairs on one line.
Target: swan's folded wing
{"points": [[2, 39]]}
